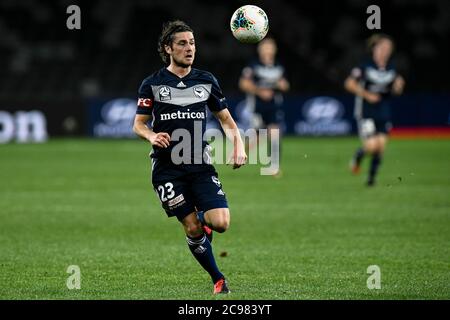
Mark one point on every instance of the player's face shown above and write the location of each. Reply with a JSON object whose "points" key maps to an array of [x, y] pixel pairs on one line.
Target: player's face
{"points": [[182, 50], [267, 50], [382, 50]]}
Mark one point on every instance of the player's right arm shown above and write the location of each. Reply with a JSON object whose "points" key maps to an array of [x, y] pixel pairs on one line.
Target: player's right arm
{"points": [[352, 85], [144, 114], [160, 139]]}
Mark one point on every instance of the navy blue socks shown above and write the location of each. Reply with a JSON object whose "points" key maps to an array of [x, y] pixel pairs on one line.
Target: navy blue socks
{"points": [[359, 155], [202, 251], [374, 165]]}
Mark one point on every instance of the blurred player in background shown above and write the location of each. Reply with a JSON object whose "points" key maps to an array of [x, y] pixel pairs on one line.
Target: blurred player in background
{"points": [[373, 83], [177, 97], [264, 82]]}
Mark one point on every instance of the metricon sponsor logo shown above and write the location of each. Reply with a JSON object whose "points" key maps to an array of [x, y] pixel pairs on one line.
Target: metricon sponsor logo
{"points": [[183, 115]]}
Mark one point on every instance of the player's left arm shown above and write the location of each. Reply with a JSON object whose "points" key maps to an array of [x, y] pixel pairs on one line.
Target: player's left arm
{"points": [[232, 131], [283, 84], [398, 86], [218, 106]]}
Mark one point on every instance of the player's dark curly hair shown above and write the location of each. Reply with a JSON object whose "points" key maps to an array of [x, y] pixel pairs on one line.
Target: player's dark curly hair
{"points": [[166, 38], [374, 39]]}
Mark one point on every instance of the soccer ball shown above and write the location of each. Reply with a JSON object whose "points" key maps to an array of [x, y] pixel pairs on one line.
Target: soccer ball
{"points": [[249, 24]]}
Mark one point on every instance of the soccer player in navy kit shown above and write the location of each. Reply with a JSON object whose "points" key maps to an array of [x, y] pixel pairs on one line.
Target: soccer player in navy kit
{"points": [[176, 98], [264, 82], [373, 84]]}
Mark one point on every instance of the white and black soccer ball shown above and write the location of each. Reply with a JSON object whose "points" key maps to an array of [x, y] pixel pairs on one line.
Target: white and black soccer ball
{"points": [[249, 24]]}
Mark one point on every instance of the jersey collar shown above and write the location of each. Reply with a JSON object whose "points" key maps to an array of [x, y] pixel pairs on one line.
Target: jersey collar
{"points": [[173, 75]]}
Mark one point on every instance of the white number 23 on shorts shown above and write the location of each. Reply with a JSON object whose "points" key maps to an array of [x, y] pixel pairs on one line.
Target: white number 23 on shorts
{"points": [[166, 192]]}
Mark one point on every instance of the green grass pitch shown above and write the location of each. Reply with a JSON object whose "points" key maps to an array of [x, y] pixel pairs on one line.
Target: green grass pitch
{"points": [[310, 235]]}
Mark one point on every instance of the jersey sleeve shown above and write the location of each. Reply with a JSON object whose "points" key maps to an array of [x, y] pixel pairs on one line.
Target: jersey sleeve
{"points": [[217, 100], [145, 99], [357, 72], [247, 72]]}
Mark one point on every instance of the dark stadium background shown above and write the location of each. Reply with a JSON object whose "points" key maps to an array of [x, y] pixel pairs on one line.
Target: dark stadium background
{"points": [[65, 73]]}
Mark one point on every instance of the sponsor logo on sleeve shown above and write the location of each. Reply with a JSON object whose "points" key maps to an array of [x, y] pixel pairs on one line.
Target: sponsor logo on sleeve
{"points": [[145, 102]]}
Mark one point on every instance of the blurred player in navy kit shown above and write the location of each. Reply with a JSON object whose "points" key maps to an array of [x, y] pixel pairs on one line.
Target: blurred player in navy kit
{"points": [[177, 97], [264, 82], [373, 83]]}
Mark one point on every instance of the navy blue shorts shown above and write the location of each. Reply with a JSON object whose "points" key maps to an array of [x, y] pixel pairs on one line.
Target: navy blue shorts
{"points": [[368, 127], [182, 191], [270, 113]]}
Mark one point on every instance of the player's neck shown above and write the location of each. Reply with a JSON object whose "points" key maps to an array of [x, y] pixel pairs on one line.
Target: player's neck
{"points": [[380, 63], [268, 61], [178, 70]]}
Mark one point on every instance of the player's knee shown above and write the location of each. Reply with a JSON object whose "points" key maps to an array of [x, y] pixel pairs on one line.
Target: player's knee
{"points": [[194, 229], [370, 148], [221, 228], [222, 223]]}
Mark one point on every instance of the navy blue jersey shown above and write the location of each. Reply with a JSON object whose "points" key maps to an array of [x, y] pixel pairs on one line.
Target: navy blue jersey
{"points": [[180, 103], [376, 80], [265, 76]]}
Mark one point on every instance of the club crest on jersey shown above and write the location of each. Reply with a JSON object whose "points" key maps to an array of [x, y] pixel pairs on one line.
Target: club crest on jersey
{"points": [[164, 93], [199, 92]]}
